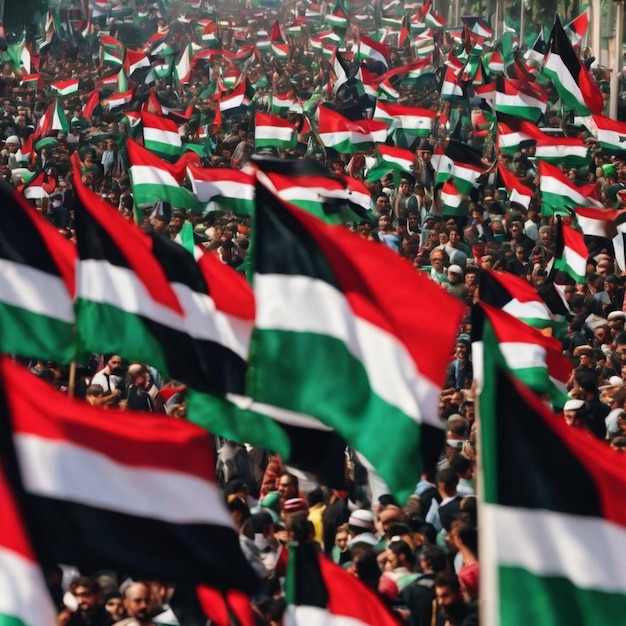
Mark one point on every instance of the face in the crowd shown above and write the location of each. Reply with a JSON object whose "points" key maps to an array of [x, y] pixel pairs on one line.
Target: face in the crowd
{"points": [[115, 364], [286, 488], [137, 601], [87, 599], [115, 607], [436, 260]]}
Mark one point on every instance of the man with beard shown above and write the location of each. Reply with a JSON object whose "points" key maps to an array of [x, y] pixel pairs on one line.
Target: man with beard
{"points": [[110, 379], [137, 605], [91, 611], [452, 608]]}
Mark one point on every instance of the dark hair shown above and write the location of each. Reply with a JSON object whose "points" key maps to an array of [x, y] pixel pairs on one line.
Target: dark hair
{"points": [[87, 582], [448, 579], [402, 548], [468, 535], [436, 558], [448, 477], [367, 569]]}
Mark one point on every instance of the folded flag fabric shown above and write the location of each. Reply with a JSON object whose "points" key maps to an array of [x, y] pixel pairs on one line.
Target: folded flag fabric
{"points": [[570, 251], [271, 131], [160, 136], [66, 87], [231, 190]]}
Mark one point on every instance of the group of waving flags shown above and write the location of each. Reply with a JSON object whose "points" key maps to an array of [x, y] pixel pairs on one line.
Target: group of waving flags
{"points": [[323, 350]]}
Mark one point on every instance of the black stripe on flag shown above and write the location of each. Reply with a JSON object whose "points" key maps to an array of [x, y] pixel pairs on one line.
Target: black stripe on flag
{"points": [[535, 470]]}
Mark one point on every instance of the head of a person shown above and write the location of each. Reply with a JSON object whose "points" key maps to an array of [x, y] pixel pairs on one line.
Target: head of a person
{"points": [[94, 394], [433, 559], [455, 274], [114, 605], [114, 363], [399, 554], [137, 602], [88, 594], [12, 143], [138, 375], [448, 593], [404, 187], [437, 260], [572, 413], [288, 486]]}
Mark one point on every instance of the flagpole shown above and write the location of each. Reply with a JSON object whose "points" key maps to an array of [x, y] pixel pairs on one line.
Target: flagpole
{"points": [[71, 383]]}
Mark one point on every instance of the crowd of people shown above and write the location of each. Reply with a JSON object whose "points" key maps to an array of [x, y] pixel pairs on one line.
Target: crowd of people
{"points": [[421, 556]]}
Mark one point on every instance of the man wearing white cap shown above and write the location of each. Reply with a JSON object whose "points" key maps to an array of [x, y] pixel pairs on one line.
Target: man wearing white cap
{"points": [[573, 414], [456, 284], [360, 527]]}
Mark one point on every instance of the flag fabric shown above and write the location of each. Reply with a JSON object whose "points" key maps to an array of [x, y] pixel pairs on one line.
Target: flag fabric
{"points": [[140, 500], [452, 200], [519, 99], [372, 51], [160, 136], [611, 134], [237, 98], [466, 165], [570, 252], [397, 158], [515, 296], [338, 132], [271, 131], [32, 81], [153, 179], [559, 493], [558, 193], [568, 151], [134, 61], [515, 134], [451, 88], [37, 284], [535, 359], [597, 222], [39, 186], [577, 28], [111, 51], [231, 190], [410, 120], [378, 364], [65, 88], [117, 100], [184, 66], [571, 79], [211, 346], [24, 596], [320, 592], [516, 190], [54, 119]]}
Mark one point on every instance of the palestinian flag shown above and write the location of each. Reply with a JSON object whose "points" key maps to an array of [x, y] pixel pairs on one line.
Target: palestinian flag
{"points": [[338, 132], [32, 81], [559, 492], [452, 200], [117, 100], [571, 79], [111, 51], [611, 134], [386, 91], [451, 88], [515, 296], [570, 252], [338, 17], [515, 134], [380, 370], [568, 151], [467, 165], [37, 282], [320, 592], [184, 66], [230, 190], [397, 158], [516, 190], [283, 103], [558, 193], [371, 51], [160, 136], [24, 596], [40, 186], [271, 131], [410, 120], [519, 99], [442, 165], [135, 61], [534, 358], [210, 37], [359, 195], [53, 119], [153, 179], [577, 28], [65, 88], [598, 222], [237, 99], [91, 104], [536, 54], [117, 488]]}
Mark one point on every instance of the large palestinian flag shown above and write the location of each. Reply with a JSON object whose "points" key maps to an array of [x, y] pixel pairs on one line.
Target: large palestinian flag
{"points": [[552, 512], [323, 301], [37, 281], [100, 492], [571, 79]]}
